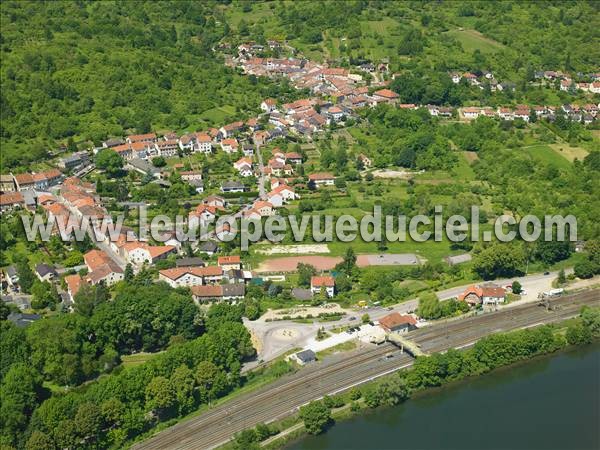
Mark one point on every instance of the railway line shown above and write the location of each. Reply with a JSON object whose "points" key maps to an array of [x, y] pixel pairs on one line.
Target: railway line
{"points": [[281, 398]]}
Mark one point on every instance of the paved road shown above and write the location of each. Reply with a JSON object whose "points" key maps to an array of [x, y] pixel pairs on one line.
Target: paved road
{"points": [[273, 347], [283, 397]]}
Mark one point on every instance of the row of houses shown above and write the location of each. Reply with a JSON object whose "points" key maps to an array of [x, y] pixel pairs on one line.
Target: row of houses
{"points": [[39, 181], [587, 113]]}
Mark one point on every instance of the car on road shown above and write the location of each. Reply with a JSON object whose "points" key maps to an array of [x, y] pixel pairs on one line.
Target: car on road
{"points": [[352, 318], [546, 273], [389, 308]]}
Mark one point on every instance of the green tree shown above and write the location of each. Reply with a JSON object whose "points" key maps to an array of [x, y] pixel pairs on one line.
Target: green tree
{"points": [[316, 417], [183, 382], [88, 421], [305, 273], [516, 287], [26, 276], [365, 318], [39, 441], [578, 334], [109, 161], [499, 261], [128, 275], [161, 397]]}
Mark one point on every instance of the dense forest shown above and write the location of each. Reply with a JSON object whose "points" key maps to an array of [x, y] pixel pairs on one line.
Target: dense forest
{"points": [[200, 360], [90, 70]]}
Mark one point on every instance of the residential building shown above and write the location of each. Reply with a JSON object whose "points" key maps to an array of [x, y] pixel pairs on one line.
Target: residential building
{"points": [[138, 253], [208, 247], [233, 186], [317, 180], [11, 201], [229, 262], [486, 294], [229, 145], [147, 137], [7, 183], [397, 323], [102, 268], [385, 96], [44, 272], [327, 283]]}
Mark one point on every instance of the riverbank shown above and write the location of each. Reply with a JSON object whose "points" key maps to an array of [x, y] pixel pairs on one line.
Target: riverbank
{"points": [[549, 402], [491, 355]]}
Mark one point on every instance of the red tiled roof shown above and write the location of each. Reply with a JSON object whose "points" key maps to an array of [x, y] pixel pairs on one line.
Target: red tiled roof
{"points": [[207, 291], [321, 176], [394, 319], [326, 281], [11, 198], [74, 283], [96, 258], [386, 93], [233, 259]]}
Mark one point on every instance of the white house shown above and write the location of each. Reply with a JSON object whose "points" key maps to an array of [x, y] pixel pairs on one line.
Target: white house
{"points": [[322, 282], [321, 179]]}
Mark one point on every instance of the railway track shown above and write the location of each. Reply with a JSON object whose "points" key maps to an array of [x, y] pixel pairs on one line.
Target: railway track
{"points": [[275, 401]]}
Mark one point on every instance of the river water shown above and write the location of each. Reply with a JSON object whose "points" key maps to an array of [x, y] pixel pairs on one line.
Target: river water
{"points": [[548, 403]]}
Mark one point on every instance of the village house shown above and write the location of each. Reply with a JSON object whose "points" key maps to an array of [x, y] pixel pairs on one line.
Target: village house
{"points": [[229, 145], [167, 149], [284, 192], [189, 175], [196, 143], [11, 201], [233, 186], [144, 167], [109, 143], [147, 137], [397, 323], [304, 357], [102, 268], [316, 180], [263, 208], [7, 183], [385, 96], [202, 215], [44, 272], [268, 105], [242, 162], [336, 113], [227, 131], [74, 284], [224, 292], [214, 200], [293, 158], [191, 276], [326, 283], [208, 247], [230, 262], [24, 181], [486, 294], [471, 112], [138, 253], [248, 149]]}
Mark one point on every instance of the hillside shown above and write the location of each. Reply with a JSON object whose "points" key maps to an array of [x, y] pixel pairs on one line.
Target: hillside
{"points": [[89, 70]]}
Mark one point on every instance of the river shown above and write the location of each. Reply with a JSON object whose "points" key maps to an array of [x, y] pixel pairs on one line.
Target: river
{"points": [[548, 403]]}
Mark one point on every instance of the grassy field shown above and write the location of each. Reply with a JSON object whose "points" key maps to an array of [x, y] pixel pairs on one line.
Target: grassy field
{"points": [[473, 40], [545, 154], [568, 152], [136, 359]]}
